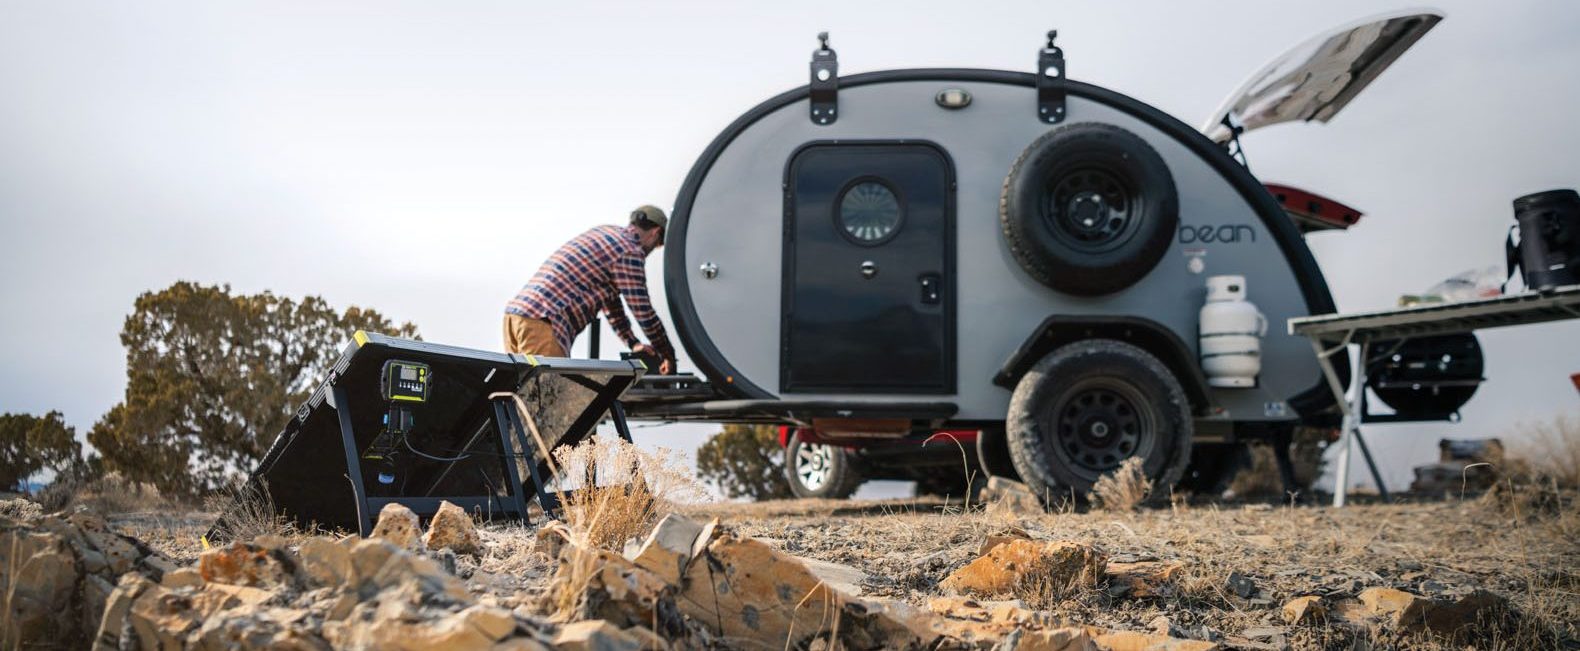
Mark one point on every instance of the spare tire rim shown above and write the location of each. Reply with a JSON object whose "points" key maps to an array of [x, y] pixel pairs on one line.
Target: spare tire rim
{"points": [[814, 464], [1088, 208], [1097, 424]]}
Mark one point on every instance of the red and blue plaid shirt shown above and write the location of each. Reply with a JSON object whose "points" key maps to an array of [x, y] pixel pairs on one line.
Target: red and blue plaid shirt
{"points": [[591, 273]]}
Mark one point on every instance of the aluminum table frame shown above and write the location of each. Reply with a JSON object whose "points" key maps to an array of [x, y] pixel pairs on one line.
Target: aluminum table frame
{"points": [[1331, 332]]}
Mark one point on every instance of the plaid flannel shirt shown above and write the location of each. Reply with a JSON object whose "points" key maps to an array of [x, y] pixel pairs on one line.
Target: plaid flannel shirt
{"points": [[592, 272]]}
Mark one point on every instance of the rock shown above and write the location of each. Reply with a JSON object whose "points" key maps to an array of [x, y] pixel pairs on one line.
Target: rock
{"points": [[20, 509], [398, 525], [1058, 639], [182, 578], [452, 528], [326, 563], [1003, 536], [745, 589], [843, 578], [244, 564], [1305, 610], [1413, 612], [1005, 496], [595, 635], [1241, 585], [1263, 632], [1017, 563], [58, 573], [667, 549], [1145, 578], [1108, 640]]}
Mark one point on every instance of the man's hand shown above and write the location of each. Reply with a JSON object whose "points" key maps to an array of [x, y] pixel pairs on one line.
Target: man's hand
{"points": [[664, 365]]}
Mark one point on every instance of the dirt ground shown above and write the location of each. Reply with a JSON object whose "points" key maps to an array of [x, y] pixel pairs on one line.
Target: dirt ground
{"points": [[1242, 562]]}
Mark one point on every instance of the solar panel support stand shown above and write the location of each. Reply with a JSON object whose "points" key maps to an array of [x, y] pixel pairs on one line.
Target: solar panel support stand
{"points": [[512, 435]]}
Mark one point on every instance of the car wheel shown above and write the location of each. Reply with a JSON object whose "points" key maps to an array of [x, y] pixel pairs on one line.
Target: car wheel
{"points": [[1085, 408], [1089, 209], [820, 470]]}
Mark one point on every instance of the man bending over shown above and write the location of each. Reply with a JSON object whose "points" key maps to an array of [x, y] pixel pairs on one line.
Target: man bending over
{"points": [[592, 272]]}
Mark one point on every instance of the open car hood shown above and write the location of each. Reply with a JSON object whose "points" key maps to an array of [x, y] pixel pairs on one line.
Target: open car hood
{"points": [[1319, 77]]}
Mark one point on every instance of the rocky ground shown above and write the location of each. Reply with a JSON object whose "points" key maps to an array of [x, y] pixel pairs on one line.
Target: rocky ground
{"points": [[1499, 571]]}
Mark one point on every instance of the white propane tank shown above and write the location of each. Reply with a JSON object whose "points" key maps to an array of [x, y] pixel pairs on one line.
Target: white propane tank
{"points": [[1231, 334]]}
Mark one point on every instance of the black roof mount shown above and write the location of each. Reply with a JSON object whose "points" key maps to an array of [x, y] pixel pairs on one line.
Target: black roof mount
{"points": [[825, 82], [1050, 81]]}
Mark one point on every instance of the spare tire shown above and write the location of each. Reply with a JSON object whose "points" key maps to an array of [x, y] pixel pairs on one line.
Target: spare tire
{"points": [[1088, 209]]}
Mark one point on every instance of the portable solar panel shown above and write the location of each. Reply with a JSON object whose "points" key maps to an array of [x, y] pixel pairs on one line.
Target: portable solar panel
{"points": [[418, 423]]}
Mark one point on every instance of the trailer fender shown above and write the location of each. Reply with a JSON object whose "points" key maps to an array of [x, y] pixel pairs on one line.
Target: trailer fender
{"points": [[1149, 335]]}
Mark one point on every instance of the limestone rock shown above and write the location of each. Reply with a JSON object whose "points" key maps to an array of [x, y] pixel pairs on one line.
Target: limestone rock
{"points": [[244, 564], [595, 635], [452, 528], [1003, 536], [1144, 578], [748, 590], [1413, 612], [326, 563], [1305, 610], [398, 525], [1017, 562], [667, 549], [58, 573], [1107, 640], [1009, 497]]}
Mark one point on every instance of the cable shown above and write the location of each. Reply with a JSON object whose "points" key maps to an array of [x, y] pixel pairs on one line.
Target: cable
{"points": [[407, 442]]}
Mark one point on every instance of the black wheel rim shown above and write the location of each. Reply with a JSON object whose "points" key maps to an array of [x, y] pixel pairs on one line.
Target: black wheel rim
{"points": [[1090, 208], [1097, 424]]}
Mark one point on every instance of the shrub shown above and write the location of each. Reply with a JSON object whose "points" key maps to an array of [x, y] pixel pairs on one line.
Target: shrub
{"points": [[744, 461]]}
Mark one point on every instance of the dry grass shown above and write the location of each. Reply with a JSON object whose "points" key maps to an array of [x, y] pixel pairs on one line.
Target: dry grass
{"points": [[612, 491], [1122, 490], [1550, 452], [246, 512], [108, 494]]}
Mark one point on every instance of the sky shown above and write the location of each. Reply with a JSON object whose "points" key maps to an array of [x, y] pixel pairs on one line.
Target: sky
{"points": [[423, 158]]}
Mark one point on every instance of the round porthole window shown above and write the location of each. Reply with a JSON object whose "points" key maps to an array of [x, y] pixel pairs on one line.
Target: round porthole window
{"points": [[869, 212]]}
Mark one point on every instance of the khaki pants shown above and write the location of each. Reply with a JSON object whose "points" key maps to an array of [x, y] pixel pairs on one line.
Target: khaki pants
{"points": [[529, 336]]}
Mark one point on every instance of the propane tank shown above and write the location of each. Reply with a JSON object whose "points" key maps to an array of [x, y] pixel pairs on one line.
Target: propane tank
{"points": [[1231, 334]]}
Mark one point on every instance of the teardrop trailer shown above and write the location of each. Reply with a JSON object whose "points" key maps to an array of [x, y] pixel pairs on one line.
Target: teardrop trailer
{"points": [[873, 258]]}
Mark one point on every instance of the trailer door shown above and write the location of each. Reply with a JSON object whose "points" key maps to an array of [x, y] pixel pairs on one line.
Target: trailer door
{"points": [[868, 297]]}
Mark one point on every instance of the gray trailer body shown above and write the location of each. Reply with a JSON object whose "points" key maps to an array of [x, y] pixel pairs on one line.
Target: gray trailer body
{"points": [[726, 274]]}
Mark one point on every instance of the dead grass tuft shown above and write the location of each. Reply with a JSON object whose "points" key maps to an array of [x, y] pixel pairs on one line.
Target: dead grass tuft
{"points": [[1550, 453], [612, 491], [246, 512], [1122, 490]]}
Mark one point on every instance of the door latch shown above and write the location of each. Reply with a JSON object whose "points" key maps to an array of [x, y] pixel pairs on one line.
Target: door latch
{"points": [[930, 292]]}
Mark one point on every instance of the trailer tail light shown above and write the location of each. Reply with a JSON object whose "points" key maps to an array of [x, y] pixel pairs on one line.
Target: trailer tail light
{"points": [[1313, 212]]}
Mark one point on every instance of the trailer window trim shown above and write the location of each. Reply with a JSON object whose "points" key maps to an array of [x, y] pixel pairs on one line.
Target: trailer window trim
{"points": [[844, 228]]}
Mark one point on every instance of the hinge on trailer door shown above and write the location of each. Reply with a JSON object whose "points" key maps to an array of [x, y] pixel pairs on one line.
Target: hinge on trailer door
{"points": [[825, 82], [1050, 82]]}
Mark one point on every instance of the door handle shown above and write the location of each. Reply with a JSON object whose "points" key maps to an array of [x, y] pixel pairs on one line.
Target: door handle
{"points": [[931, 292]]}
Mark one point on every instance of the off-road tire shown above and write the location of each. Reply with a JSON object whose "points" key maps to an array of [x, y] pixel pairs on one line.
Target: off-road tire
{"points": [[844, 474], [1160, 421], [1129, 189]]}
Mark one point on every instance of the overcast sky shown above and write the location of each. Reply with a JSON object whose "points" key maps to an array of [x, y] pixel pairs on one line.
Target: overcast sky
{"points": [[423, 158]]}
